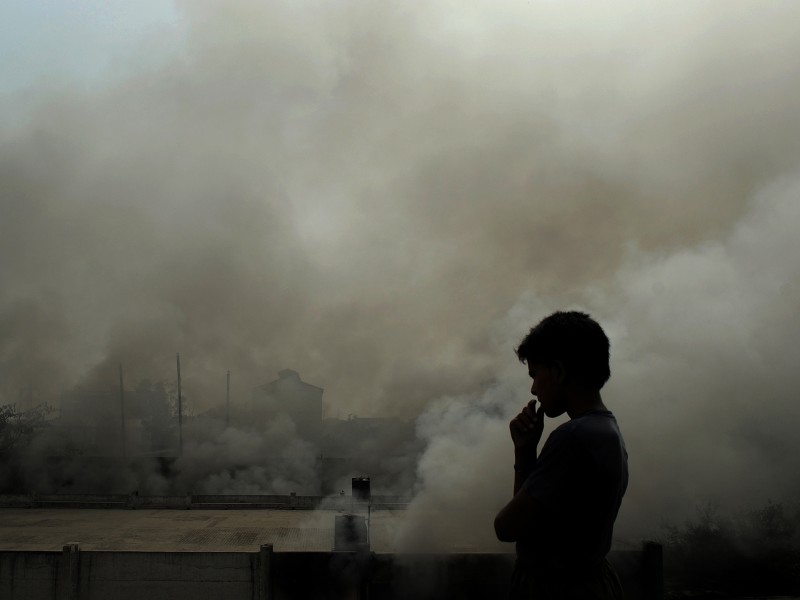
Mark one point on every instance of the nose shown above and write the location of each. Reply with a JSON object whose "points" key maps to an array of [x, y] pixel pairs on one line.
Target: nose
{"points": [[533, 388]]}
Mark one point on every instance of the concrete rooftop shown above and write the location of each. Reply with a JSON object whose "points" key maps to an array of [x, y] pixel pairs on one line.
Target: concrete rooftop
{"points": [[181, 530], [175, 530]]}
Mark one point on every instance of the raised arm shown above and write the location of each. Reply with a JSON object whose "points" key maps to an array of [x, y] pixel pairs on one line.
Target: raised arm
{"points": [[526, 432]]}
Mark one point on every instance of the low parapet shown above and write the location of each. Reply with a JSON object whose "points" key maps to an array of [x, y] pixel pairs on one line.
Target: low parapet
{"points": [[203, 501], [73, 574]]}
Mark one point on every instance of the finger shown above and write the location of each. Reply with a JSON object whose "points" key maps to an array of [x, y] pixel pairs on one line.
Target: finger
{"points": [[528, 418], [519, 428]]}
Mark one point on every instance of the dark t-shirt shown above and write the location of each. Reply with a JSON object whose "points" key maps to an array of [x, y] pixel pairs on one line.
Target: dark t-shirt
{"points": [[579, 479]]}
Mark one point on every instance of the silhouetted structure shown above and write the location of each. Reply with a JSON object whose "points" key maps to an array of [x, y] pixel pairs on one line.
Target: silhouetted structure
{"points": [[350, 533], [361, 488], [288, 394]]}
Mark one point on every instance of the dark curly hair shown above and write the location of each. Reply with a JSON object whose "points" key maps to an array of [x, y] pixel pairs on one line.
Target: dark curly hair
{"points": [[575, 340]]}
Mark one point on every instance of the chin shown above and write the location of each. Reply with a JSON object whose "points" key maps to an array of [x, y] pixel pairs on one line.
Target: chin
{"points": [[554, 412]]}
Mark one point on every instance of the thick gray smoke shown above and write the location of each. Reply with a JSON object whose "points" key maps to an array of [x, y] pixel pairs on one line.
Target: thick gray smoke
{"points": [[385, 196], [703, 383]]}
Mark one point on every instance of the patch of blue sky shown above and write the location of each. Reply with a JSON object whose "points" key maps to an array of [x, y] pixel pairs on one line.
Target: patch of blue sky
{"points": [[51, 43]]}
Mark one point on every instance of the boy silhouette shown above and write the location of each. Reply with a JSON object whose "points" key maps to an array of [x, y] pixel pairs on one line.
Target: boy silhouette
{"points": [[567, 498]]}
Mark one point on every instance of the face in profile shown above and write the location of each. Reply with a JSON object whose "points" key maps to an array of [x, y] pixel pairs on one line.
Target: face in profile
{"points": [[547, 387]]}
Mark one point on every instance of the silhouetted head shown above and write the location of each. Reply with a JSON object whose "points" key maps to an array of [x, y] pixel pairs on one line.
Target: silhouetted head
{"points": [[566, 348]]}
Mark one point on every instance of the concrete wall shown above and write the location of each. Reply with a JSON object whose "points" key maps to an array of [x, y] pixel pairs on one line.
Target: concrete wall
{"points": [[33, 575], [76, 575], [165, 576]]}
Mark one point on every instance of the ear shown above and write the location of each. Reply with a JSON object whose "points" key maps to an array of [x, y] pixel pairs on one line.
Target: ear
{"points": [[560, 371]]}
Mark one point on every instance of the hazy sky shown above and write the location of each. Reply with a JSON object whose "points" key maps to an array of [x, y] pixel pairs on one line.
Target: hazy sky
{"points": [[385, 196]]}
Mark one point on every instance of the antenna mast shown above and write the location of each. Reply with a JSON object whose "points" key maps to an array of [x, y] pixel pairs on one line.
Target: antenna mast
{"points": [[122, 410], [180, 410], [228, 400]]}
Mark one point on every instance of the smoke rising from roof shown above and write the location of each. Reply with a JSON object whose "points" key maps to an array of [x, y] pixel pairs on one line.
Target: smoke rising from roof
{"points": [[387, 196]]}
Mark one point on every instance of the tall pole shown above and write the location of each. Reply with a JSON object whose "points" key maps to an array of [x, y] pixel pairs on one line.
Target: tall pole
{"points": [[180, 410], [122, 410], [228, 400]]}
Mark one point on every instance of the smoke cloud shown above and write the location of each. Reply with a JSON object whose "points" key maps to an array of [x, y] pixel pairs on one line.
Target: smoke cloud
{"points": [[385, 197], [703, 385]]}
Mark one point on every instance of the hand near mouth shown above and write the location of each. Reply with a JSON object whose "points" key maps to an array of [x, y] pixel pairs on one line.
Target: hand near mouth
{"points": [[526, 428]]}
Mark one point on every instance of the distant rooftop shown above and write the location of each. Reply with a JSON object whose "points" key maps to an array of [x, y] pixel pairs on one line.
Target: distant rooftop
{"points": [[164, 530]]}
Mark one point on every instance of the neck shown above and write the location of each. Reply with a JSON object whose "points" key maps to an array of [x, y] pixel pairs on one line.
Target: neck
{"points": [[582, 402]]}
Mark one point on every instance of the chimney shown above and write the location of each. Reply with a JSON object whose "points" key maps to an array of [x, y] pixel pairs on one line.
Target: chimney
{"points": [[361, 488]]}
